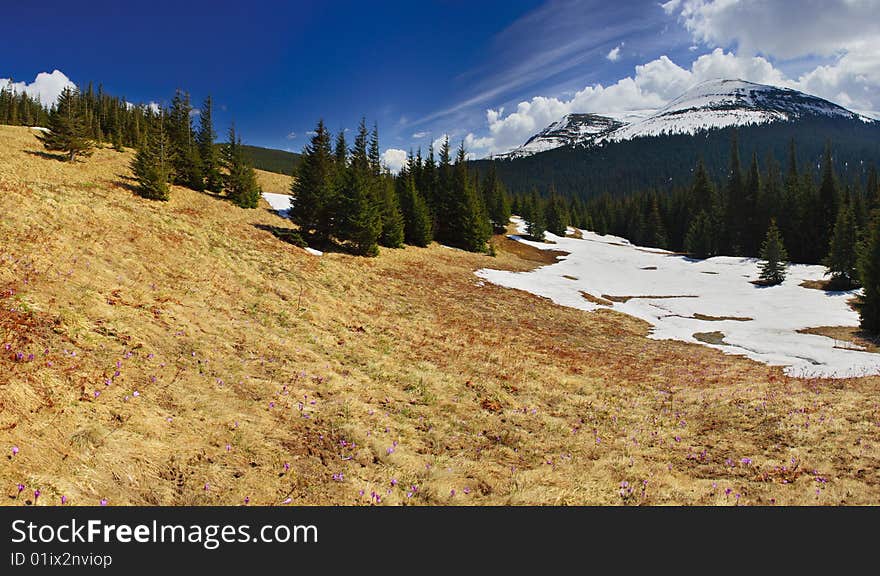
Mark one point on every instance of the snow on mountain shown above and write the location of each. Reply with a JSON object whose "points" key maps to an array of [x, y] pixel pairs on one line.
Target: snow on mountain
{"points": [[709, 105], [570, 130]]}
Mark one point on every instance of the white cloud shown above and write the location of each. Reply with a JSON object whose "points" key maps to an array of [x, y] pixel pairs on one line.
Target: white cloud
{"points": [[420, 135], [291, 135], [46, 87], [394, 159], [850, 82], [845, 32], [780, 28], [614, 54]]}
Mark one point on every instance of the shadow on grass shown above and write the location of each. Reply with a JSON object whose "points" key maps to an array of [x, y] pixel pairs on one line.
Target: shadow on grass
{"points": [[48, 156], [293, 236]]}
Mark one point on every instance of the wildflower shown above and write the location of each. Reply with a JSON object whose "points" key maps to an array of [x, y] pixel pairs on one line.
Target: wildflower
{"points": [[247, 500], [14, 450], [394, 481], [746, 461], [20, 487], [135, 393], [97, 393], [36, 495], [103, 501], [63, 500], [207, 486], [287, 500]]}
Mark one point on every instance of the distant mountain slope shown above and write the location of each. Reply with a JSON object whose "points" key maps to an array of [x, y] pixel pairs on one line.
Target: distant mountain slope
{"points": [[272, 160], [660, 149], [709, 105]]}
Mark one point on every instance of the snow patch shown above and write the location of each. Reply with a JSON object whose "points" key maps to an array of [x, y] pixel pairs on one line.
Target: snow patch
{"points": [[681, 297]]}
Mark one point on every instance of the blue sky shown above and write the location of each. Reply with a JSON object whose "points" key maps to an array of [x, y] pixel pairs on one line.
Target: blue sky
{"points": [[488, 72]]}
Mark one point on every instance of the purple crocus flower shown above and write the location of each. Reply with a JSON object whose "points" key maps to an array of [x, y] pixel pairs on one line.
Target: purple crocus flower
{"points": [[14, 450]]}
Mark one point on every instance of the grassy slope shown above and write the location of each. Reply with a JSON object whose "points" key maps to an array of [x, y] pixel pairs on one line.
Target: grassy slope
{"points": [[494, 393]]}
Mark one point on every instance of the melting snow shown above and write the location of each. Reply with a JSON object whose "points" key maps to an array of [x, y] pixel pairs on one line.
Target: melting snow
{"points": [[758, 322], [281, 204]]}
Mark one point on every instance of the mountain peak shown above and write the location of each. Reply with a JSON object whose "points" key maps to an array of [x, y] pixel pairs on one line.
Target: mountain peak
{"points": [[708, 105]]}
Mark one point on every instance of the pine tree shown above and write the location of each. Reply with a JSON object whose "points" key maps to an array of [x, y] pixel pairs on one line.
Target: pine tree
{"points": [[361, 220], [736, 201], [497, 203], [774, 257], [185, 162], [700, 240], [827, 201], [150, 166], [416, 216], [751, 193], [313, 189], [467, 225], [869, 274], [656, 233], [392, 234], [241, 180], [208, 157], [68, 131], [555, 214], [841, 259], [535, 222]]}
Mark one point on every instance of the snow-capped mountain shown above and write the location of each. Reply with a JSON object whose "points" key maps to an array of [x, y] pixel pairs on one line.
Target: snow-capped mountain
{"points": [[570, 130], [709, 105]]}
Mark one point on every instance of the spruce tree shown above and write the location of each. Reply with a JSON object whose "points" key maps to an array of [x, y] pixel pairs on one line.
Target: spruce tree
{"points": [[751, 193], [774, 257], [467, 227], [416, 216], [869, 274], [392, 234], [361, 220], [496, 201], [208, 156], [185, 164], [656, 233], [313, 188], [841, 259], [241, 180], [151, 167], [827, 201], [736, 201], [68, 131], [535, 222], [555, 214], [701, 241]]}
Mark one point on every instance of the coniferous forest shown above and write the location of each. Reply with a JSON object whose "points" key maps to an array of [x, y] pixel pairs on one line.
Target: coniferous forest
{"points": [[344, 195]]}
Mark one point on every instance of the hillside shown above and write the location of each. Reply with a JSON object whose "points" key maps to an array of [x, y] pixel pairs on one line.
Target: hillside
{"points": [[272, 160], [179, 353]]}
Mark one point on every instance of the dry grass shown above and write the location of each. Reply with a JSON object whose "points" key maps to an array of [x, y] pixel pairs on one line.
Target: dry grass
{"points": [[846, 336], [399, 371]]}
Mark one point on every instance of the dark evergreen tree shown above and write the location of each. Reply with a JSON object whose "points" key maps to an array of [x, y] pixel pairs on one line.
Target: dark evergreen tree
{"points": [[555, 214], [656, 233], [68, 132], [828, 201], [736, 201], [467, 224], [361, 220], [701, 241], [774, 257], [751, 194], [392, 234], [315, 186], [416, 216], [241, 181], [869, 274], [841, 259], [151, 167], [186, 169], [535, 221], [210, 162], [496, 201]]}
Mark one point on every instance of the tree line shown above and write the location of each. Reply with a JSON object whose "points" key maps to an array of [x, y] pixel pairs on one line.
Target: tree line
{"points": [[344, 195], [760, 211]]}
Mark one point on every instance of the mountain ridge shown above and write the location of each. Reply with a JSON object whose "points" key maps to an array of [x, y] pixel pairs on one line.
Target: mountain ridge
{"points": [[709, 105]]}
